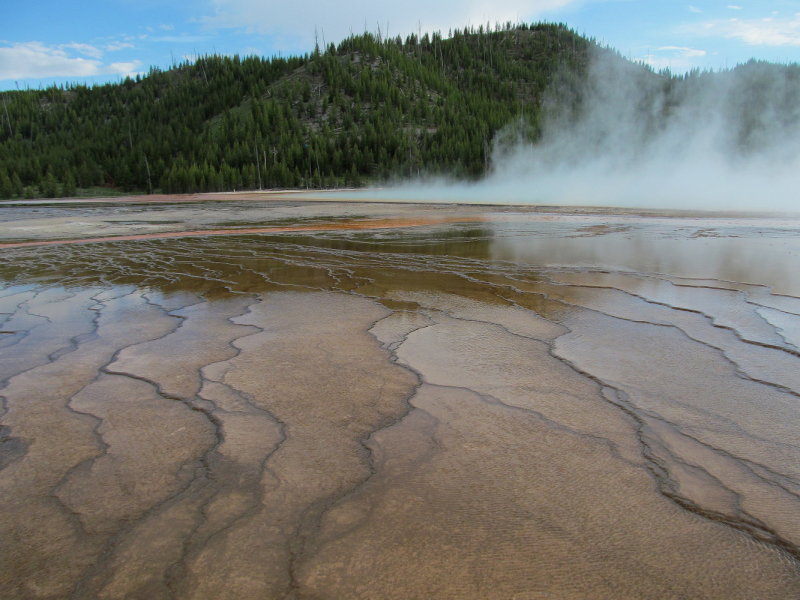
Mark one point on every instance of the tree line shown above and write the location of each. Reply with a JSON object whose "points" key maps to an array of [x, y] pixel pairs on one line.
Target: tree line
{"points": [[369, 108]]}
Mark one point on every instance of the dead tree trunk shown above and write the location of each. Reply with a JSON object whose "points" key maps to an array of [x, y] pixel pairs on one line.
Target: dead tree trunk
{"points": [[5, 108], [258, 164], [147, 166]]}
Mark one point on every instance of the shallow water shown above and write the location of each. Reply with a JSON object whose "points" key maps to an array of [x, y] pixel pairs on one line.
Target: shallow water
{"points": [[474, 403]]}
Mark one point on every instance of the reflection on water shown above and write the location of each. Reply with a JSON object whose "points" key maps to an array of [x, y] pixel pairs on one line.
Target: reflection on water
{"points": [[465, 241], [746, 251], [762, 251], [522, 406]]}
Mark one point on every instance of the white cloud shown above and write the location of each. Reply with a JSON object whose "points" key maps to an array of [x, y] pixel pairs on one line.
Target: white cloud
{"points": [[336, 19], [756, 32], [114, 46], [167, 27], [734, 7], [676, 58], [84, 49], [180, 39], [694, 9], [33, 60], [123, 69], [684, 51]]}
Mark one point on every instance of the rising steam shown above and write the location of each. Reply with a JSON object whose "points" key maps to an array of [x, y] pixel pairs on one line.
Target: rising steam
{"points": [[633, 138]]}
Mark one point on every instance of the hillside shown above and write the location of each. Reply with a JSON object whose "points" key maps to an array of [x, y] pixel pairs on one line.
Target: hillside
{"points": [[367, 110]]}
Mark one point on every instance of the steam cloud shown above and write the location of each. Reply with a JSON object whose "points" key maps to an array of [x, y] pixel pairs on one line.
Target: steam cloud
{"points": [[711, 141]]}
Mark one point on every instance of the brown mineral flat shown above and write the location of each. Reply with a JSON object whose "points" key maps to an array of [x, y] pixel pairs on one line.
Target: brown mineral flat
{"points": [[345, 226], [453, 403]]}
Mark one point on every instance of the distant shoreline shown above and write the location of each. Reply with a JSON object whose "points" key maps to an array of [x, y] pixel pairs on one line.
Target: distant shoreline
{"points": [[364, 196]]}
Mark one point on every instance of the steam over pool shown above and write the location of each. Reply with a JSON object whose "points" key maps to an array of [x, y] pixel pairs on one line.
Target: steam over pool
{"points": [[709, 141]]}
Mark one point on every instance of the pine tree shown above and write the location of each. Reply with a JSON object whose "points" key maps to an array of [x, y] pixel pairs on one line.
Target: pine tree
{"points": [[16, 183], [50, 187], [6, 189], [70, 189]]}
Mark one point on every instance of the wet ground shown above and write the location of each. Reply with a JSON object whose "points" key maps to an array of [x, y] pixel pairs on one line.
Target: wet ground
{"points": [[355, 400]]}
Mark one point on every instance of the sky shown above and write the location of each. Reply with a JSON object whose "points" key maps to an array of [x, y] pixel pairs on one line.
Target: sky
{"points": [[95, 41]]}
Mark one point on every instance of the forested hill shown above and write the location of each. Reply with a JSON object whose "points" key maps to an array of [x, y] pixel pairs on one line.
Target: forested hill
{"points": [[366, 110]]}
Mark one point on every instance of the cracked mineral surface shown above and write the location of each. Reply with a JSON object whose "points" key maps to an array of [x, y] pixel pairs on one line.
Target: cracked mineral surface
{"points": [[292, 398]]}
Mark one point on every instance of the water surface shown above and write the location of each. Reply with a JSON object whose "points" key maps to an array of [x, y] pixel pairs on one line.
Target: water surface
{"points": [[460, 403]]}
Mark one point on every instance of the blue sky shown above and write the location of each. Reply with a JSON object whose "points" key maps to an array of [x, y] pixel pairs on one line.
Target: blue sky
{"points": [[93, 41]]}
